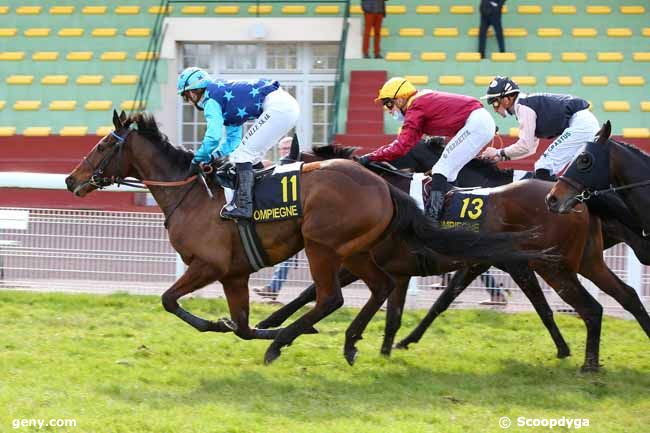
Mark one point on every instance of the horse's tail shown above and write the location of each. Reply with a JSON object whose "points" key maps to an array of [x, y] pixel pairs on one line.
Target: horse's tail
{"points": [[423, 235]]}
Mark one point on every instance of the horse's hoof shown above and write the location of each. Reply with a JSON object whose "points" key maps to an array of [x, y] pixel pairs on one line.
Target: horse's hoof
{"points": [[386, 351], [225, 321], [563, 353], [402, 345], [311, 330], [589, 368], [350, 355], [272, 353]]}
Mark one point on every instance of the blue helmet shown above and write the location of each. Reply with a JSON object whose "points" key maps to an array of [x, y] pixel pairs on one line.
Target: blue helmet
{"points": [[192, 78], [500, 87]]}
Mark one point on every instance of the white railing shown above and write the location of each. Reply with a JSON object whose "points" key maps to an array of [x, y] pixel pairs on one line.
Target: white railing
{"points": [[105, 252]]}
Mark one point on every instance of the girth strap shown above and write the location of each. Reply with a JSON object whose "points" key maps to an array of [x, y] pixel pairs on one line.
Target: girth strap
{"points": [[252, 245]]}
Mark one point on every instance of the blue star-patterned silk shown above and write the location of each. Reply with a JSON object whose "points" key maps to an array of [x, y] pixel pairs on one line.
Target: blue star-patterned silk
{"points": [[230, 104]]}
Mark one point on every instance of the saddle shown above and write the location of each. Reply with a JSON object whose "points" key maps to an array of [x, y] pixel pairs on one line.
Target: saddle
{"points": [[224, 174]]}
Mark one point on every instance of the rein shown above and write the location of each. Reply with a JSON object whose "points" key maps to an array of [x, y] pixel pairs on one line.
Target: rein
{"points": [[586, 194]]}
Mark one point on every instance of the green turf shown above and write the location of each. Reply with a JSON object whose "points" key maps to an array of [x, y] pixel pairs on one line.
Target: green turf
{"points": [[121, 364]]}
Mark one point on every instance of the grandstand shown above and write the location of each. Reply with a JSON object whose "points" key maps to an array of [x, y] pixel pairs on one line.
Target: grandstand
{"points": [[66, 65]]}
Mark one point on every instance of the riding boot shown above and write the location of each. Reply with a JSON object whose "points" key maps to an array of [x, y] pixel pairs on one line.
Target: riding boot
{"points": [[439, 187], [544, 174], [241, 206]]}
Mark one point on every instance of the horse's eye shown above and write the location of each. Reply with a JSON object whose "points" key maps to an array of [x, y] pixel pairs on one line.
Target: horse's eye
{"points": [[585, 161], [100, 148]]}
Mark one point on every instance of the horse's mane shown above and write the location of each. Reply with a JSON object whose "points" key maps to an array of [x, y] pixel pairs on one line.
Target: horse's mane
{"points": [[332, 151], [148, 128], [631, 147]]}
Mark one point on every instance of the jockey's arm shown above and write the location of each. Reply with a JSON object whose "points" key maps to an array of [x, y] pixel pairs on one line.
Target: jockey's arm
{"points": [[232, 140], [213, 133], [527, 143], [407, 139]]}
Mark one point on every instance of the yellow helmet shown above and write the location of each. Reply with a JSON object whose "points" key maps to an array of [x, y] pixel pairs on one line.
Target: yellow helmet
{"points": [[397, 87]]}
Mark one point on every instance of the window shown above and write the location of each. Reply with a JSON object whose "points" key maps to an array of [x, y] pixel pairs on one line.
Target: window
{"points": [[196, 55], [322, 100], [241, 57], [282, 57], [325, 57]]}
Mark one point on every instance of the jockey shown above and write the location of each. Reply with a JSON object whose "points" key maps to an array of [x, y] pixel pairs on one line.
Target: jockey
{"points": [[230, 104], [542, 115], [434, 113]]}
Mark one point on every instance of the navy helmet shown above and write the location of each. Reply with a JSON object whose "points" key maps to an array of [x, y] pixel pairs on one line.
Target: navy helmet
{"points": [[500, 87]]}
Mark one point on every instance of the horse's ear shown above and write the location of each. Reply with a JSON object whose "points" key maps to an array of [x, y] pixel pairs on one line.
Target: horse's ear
{"points": [[122, 116], [294, 153], [117, 122], [604, 133]]}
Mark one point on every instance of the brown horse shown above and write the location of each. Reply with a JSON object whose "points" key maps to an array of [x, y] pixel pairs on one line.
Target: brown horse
{"points": [[347, 210], [578, 239]]}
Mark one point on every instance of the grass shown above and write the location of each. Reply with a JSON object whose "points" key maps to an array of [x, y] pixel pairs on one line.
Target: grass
{"points": [[119, 364]]}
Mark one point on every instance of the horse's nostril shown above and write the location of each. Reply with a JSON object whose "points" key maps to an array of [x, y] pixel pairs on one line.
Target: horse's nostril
{"points": [[69, 181]]}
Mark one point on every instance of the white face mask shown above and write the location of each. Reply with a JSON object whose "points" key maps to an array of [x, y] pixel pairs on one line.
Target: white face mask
{"points": [[397, 115]]}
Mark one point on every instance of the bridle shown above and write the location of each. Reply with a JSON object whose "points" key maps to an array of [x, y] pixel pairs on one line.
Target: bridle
{"points": [[587, 193]]}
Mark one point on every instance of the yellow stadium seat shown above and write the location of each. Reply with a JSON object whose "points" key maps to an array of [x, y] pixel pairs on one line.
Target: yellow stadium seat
{"points": [[104, 32], [45, 56], [264, 9], [124, 79], [93, 10], [138, 32], [55, 80], [103, 130], [71, 32], [98, 105], [320, 10], [2, 105], [27, 105], [37, 32], [145, 55], [12, 55], [90, 79], [616, 106], [584, 32], [433, 56], [398, 56], [513, 132], [356, 10], [451, 80], [515, 32], [631, 80], [599, 10], [73, 131], [445, 32], [594, 80], [417, 79], [20, 79], [529, 9], [4, 10], [558, 80], [645, 31], [468, 57], [411, 32], [483, 80], [632, 10], [7, 32], [113, 56], [645, 106], [194, 10], [127, 10], [563, 10], [524, 80], [395, 9], [28, 10], [37, 131], [574, 57], [132, 105], [619, 32], [227, 10], [79, 55], [294, 9], [160, 10], [612, 56], [384, 32], [427, 10], [636, 132], [641, 56], [549, 32], [538, 57], [473, 32], [61, 10], [461, 9], [62, 105], [7, 131], [504, 57]]}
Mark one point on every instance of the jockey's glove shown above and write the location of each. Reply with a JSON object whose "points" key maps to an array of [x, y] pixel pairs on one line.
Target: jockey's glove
{"points": [[364, 160], [195, 168]]}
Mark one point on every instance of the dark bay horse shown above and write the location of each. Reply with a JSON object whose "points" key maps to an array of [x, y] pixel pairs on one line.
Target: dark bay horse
{"points": [[347, 210], [608, 168], [587, 259]]}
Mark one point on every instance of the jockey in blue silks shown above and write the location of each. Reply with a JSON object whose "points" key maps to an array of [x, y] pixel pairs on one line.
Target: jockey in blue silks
{"points": [[231, 104]]}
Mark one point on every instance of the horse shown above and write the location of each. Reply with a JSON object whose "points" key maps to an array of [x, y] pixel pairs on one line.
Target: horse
{"points": [[347, 210], [606, 166], [404, 265]]}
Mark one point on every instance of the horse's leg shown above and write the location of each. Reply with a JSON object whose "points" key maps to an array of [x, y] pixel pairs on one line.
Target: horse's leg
{"points": [[566, 285], [527, 281], [324, 265], [394, 312], [458, 283], [308, 295], [380, 285], [197, 275]]}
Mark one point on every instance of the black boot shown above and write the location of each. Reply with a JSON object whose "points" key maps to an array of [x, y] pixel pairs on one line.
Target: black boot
{"points": [[544, 174], [439, 187], [241, 206]]}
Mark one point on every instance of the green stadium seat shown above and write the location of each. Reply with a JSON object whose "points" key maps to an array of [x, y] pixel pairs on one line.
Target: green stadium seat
{"points": [[12, 56], [54, 80], [94, 10], [113, 56], [558, 80], [28, 10], [631, 80], [98, 105], [539, 57], [62, 106], [104, 32], [45, 56], [37, 32], [594, 80], [22, 105], [23, 80], [616, 106], [598, 10], [37, 131], [73, 131], [70, 32], [61, 10], [127, 10]]}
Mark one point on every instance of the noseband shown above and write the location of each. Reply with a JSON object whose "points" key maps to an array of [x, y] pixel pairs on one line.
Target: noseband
{"points": [[98, 179]]}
